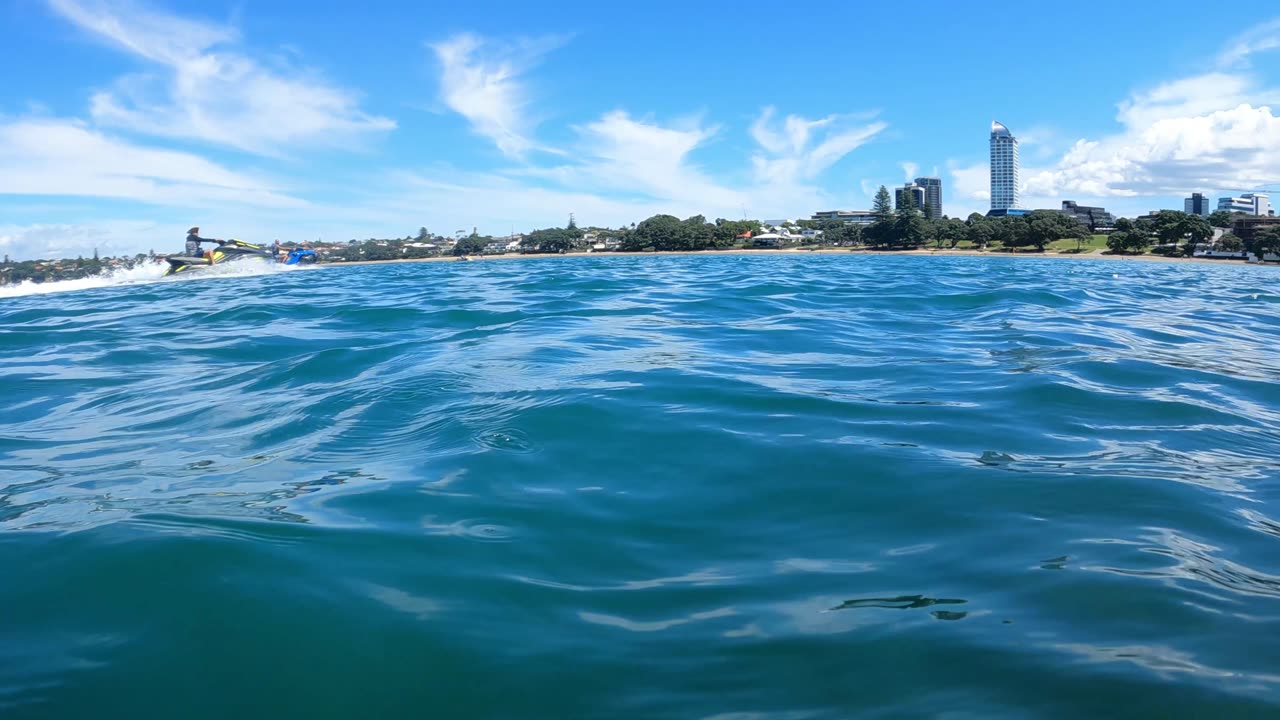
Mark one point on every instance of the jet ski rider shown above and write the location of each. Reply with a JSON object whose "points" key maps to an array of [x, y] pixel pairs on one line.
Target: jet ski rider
{"points": [[194, 240]]}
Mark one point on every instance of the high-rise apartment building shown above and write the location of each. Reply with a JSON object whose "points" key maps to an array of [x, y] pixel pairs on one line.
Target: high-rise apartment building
{"points": [[916, 192], [932, 206], [1197, 204], [1004, 168]]}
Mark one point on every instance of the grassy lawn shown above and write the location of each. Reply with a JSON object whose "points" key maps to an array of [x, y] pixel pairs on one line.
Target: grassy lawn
{"points": [[1095, 242]]}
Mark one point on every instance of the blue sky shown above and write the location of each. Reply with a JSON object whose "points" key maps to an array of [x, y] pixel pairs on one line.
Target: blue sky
{"points": [[122, 123]]}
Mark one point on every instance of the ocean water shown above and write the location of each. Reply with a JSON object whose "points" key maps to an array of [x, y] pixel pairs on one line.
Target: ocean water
{"points": [[732, 487]]}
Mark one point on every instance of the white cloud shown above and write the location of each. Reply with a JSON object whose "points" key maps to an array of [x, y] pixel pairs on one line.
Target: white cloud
{"points": [[649, 160], [970, 181], [624, 170], [1234, 147], [206, 91], [648, 166], [909, 171], [1188, 97], [1215, 131], [793, 154], [480, 81], [1260, 38], [61, 157], [50, 241]]}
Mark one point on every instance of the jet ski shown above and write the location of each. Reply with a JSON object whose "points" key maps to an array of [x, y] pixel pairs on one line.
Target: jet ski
{"points": [[227, 251], [300, 256]]}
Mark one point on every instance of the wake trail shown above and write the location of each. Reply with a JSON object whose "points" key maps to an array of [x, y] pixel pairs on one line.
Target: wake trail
{"points": [[146, 273]]}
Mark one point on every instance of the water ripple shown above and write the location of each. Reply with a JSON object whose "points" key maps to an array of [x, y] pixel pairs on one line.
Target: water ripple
{"points": [[725, 486]]}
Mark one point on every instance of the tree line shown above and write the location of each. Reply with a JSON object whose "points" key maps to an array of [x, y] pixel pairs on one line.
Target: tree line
{"points": [[904, 228]]}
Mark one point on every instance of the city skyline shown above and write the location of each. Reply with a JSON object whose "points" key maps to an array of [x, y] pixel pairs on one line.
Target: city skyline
{"points": [[122, 124]]}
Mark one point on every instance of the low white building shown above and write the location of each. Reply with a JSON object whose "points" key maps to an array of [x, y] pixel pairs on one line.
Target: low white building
{"points": [[854, 217], [1248, 203]]}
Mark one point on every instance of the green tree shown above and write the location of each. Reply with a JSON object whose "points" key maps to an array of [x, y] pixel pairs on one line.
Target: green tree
{"points": [[423, 235], [832, 232], [936, 232], [948, 232], [982, 232], [1081, 236], [1146, 225], [1265, 243], [881, 230], [957, 231], [1171, 227], [1044, 226], [1009, 231], [909, 228], [1168, 227], [1118, 241], [1134, 241], [550, 240], [659, 232], [470, 245], [1222, 218], [1197, 231], [840, 233], [696, 234], [726, 233], [851, 235], [1230, 243]]}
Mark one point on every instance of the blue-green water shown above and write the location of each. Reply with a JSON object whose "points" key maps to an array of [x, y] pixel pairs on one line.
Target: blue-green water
{"points": [[664, 487]]}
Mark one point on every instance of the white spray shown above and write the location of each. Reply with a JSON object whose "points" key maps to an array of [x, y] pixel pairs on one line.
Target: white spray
{"points": [[140, 274]]}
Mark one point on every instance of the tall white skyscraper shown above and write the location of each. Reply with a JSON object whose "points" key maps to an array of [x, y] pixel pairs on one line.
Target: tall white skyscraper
{"points": [[1004, 168]]}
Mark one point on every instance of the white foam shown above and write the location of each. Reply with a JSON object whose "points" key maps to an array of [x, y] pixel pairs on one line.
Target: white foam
{"points": [[141, 274]]}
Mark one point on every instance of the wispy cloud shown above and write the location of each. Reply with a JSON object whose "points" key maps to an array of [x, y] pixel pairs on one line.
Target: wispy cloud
{"points": [[202, 88], [626, 168], [1259, 38], [645, 158], [909, 170], [46, 156], [800, 149], [480, 80]]}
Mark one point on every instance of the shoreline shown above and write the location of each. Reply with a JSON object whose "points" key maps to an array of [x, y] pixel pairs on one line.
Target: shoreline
{"points": [[1095, 255]]}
